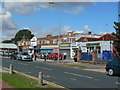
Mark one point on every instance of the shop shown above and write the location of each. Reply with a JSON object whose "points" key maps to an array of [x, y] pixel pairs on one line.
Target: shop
{"points": [[49, 50], [65, 48]]}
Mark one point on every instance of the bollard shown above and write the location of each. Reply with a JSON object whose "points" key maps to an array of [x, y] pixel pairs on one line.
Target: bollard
{"points": [[11, 69], [40, 79]]}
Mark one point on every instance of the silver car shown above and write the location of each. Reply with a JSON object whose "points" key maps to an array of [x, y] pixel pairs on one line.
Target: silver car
{"points": [[23, 56]]}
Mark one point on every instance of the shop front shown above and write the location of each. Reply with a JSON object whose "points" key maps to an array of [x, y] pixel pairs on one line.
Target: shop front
{"points": [[65, 48], [48, 50]]}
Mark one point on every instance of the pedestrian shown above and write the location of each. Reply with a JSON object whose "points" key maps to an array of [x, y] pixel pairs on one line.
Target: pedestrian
{"points": [[45, 57], [65, 54], [35, 56]]}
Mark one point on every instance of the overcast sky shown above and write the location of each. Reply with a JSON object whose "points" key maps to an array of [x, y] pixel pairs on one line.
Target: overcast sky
{"points": [[43, 18]]}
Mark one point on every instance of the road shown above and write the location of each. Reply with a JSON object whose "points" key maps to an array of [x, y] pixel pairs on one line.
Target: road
{"points": [[64, 76]]}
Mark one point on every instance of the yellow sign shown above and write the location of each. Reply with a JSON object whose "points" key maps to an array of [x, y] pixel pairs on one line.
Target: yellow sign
{"points": [[65, 45]]}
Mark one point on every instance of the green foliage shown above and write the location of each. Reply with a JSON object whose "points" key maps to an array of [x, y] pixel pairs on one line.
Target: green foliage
{"points": [[22, 34], [117, 42], [113, 33], [19, 81], [7, 41], [79, 49]]}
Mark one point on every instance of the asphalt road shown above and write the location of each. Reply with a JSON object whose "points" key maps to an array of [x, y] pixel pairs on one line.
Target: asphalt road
{"points": [[64, 76]]}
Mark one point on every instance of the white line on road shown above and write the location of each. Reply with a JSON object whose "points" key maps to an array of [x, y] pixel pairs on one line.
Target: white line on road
{"points": [[117, 82], [43, 68], [73, 79], [22, 64], [79, 75]]}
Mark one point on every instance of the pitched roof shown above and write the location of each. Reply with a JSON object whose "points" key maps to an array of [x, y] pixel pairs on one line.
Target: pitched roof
{"points": [[86, 39], [106, 37]]}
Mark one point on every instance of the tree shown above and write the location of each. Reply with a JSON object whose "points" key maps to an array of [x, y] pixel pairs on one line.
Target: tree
{"points": [[7, 41], [117, 34], [22, 34]]}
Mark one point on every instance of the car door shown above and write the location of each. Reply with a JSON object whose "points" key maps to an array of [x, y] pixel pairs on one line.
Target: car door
{"points": [[118, 66]]}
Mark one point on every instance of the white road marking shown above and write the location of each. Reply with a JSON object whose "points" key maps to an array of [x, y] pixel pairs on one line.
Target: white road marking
{"points": [[79, 75], [43, 68], [73, 79], [46, 76], [22, 64], [117, 82]]}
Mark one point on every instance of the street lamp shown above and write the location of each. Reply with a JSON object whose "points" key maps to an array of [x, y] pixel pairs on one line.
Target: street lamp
{"points": [[59, 34]]}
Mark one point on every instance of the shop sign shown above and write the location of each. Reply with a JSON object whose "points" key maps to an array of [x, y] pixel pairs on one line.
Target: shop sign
{"points": [[65, 45], [92, 44], [34, 41]]}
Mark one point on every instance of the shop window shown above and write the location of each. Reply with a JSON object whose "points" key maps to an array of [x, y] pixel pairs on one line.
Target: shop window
{"points": [[42, 42], [47, 41], [54, 41], [38, 42]]}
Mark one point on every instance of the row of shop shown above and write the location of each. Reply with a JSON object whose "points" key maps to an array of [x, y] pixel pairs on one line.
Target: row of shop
{"points": [[70, 49]]}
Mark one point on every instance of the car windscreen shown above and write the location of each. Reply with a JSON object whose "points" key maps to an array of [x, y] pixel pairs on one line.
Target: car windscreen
{"points": [[25, 53]]}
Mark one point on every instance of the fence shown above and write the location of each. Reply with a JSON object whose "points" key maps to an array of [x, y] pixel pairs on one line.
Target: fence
{"points": [[105, 56], [102, 57], [86, 56]]}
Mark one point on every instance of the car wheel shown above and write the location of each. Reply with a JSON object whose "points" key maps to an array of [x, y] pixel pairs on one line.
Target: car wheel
{"points": [[17, 58], [110, 72], [21, 58]]}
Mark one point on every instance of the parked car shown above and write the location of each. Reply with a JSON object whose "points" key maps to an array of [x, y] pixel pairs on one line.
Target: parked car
{"points": [[113, 67], [49, 56], [14, 55], [41, 55], [5, 53], [54, 56], [23, 56]]}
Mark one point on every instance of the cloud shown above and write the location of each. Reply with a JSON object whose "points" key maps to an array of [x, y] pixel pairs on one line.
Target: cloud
{"points": [[7, 21], [24, 8], [39, 32], [85, 30], [76, 10], [7, 24]]}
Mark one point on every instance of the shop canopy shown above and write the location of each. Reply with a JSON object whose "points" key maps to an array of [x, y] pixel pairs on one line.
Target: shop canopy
{"points": [[8, 45]]}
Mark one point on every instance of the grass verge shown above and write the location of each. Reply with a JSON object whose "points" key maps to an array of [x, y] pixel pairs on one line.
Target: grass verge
{"points": [[19, 81], [0, 75]]}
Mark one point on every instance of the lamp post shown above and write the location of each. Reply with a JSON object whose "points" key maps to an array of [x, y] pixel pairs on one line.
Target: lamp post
{"points": [[58, 33]]}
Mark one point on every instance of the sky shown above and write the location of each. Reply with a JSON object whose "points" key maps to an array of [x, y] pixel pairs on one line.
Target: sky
{"points": [[43, 18]]}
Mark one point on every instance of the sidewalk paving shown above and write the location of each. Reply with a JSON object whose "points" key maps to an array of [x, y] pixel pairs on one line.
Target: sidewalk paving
{"points": [[4, 85], [69, 61], [90, 67]]}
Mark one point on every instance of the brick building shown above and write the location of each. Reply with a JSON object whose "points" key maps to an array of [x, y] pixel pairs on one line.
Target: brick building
{"points": [[49, 43]]}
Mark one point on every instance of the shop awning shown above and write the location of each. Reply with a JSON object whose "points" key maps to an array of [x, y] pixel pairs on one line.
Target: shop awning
{"points": [[46, 48]]}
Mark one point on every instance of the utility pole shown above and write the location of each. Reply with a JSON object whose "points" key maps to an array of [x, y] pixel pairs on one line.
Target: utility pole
{"points": [[59, 34]]}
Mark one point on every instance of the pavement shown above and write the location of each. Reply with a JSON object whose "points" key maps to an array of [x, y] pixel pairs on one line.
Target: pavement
{"points": [[91, 67], [4, 85], [65, 76]]}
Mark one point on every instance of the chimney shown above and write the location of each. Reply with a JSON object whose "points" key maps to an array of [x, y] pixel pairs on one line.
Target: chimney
{"points": [[89, 32]]}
